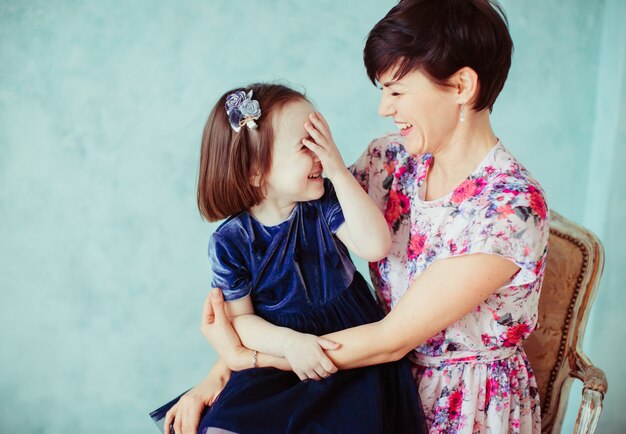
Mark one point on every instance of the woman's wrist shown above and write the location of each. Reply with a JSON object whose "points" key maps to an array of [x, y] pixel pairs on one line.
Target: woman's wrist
{"points": [[220, 371]]}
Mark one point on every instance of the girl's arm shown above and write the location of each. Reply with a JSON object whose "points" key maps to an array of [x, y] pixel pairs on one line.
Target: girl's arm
{"points": [[365, 231], [302, 353], [447, 291]]}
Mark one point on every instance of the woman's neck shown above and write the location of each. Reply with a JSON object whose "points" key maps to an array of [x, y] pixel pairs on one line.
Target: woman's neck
{"points": [[456, 160]]}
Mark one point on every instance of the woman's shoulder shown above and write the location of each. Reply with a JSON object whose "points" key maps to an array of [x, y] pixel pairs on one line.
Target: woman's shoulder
{"points": [[391, 147], [508, 184], [387, 156], [507, 172]]}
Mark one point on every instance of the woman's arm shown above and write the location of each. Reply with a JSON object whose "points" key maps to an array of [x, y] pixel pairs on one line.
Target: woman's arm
{"points": [[365, 231], [447, 291], [185, 414]]}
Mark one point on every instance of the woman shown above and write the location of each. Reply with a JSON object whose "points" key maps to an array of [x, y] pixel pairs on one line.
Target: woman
{"points": [[469, 227]]}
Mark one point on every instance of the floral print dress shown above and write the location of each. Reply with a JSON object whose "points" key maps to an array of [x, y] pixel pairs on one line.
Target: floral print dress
{"points": [[474, 375]]}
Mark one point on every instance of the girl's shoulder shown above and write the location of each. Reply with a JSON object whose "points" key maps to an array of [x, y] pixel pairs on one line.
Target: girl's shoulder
{"points": [[233, 230]]}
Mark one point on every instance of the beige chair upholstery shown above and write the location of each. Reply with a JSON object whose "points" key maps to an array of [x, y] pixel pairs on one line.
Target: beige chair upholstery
{"points": [[573, 270]]}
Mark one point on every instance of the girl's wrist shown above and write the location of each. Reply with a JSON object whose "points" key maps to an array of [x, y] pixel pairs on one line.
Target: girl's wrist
{"points": [[339, 174]]}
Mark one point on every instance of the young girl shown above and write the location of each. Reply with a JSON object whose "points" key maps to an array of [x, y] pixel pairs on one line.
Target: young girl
{"points": [[284, 269]]}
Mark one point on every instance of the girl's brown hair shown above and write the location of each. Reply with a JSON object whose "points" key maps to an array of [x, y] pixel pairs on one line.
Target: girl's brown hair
{"points": [[234, 166]]}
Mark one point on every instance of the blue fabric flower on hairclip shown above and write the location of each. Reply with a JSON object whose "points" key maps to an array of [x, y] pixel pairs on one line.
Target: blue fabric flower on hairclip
{"points": [[242, 110], [234, 100]]}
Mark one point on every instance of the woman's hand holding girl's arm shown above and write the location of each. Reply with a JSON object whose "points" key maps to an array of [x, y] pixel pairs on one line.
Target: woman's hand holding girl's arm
{"points": [[365, 231], [447, 291]]}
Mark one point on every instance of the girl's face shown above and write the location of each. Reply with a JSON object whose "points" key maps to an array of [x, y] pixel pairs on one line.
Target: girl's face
{"points": [[296, 172], [425, 113]]}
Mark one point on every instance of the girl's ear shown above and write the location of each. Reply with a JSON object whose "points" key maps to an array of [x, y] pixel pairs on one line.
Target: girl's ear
{"points": [[255, 180]]}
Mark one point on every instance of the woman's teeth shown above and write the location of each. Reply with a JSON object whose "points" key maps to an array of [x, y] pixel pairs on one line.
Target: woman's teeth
{"points": [[403, 125], [315, 176]]}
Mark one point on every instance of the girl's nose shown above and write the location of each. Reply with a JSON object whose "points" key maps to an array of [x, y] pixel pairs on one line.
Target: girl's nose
{"points": [[316, 159]]}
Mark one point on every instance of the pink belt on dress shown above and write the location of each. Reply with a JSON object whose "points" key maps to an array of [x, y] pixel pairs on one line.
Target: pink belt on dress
{"points": [[452, 357]]}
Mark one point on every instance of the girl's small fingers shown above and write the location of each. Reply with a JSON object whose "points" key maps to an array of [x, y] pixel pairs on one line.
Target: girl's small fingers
{"points": [[316, 135], [314, 147], [320, 122]]}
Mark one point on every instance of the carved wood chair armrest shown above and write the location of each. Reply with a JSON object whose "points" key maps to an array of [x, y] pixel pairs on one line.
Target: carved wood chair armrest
{"points": [[595, 387]]}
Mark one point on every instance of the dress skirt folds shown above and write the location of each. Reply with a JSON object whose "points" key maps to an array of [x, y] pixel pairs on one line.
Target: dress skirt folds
{"points": [[375, 399]]}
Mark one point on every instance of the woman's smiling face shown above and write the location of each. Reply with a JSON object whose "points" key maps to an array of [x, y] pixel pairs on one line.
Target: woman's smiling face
{"points": [[425, 113]]}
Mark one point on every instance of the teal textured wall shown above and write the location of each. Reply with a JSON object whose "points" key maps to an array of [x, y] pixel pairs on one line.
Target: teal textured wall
{"points": [[102, 252]]}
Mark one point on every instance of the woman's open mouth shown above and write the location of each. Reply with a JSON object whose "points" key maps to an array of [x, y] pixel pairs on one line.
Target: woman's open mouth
{"points": [[405, 128]]}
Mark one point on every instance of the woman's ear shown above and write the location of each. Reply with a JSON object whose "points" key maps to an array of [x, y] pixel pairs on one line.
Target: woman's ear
{"points": [[466, 82]]}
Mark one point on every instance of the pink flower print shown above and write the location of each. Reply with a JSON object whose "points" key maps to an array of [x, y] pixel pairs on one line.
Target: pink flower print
{"points": [[401, 171], [469, 188], [397, 204], [452, 247], [537, 203], [539, 266], [455, 401], [486, 338], [515, 334], [490, 170], [513, 380], [491, 389], [390, 166], [416, 246], [504, 212]]}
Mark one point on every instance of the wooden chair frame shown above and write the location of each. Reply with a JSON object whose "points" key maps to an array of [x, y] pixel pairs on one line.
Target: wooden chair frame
{"points": [[571, 361]]}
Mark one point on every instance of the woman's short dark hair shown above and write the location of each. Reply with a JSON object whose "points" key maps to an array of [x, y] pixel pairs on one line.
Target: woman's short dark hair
{"points": [[230, 161], [439, 37]]}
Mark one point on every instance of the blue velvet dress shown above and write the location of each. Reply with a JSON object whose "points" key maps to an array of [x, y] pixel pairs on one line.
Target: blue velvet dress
{"points": [[300, 276]]}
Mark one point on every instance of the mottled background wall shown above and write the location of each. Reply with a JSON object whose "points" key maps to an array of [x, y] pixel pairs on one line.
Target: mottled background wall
{"points": [[102, 253]]}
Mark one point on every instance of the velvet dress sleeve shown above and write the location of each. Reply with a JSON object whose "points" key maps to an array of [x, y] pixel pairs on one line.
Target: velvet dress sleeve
{"points": [[228, 264], [331, 209]]}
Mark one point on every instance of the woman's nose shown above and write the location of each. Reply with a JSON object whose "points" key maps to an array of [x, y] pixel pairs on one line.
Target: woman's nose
{"points": [[316, 159], [385, 108]]}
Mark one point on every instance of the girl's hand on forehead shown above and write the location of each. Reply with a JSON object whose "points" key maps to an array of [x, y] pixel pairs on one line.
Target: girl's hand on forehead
{"points": [[323, 145]]}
